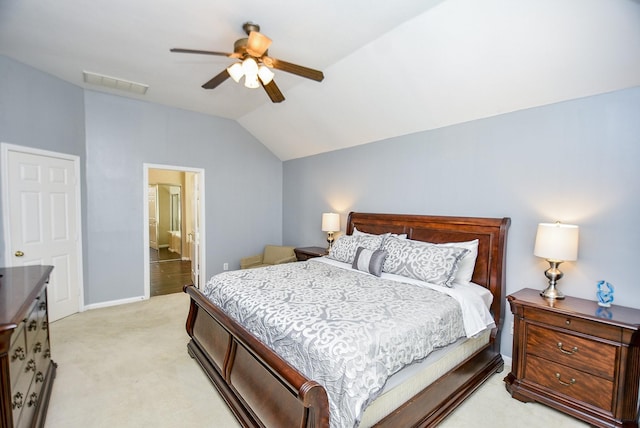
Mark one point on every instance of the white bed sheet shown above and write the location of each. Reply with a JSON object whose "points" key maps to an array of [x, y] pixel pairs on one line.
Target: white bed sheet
{"points": [[474, 299]]}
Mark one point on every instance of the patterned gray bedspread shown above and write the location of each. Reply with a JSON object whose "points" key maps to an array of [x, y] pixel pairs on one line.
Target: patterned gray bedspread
{"points": [[346, 330]]}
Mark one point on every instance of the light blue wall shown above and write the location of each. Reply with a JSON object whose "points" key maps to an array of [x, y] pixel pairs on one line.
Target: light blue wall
{"points": [[243, 179], [575, 161], [243, 187], [40, 111]]}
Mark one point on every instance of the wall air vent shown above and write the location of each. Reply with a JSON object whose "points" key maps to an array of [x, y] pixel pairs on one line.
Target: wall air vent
{"points": [[114, 83]]}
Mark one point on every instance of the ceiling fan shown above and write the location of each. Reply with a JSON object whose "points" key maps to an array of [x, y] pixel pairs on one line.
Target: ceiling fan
{"points": [[254, 64]]}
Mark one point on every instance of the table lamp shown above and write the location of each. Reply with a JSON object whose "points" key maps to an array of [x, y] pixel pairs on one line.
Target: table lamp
{"points": [[556, 242], [330, 224]]}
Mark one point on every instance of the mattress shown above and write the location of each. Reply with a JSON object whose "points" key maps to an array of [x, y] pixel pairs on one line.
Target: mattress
{"points": [[414, 378]]}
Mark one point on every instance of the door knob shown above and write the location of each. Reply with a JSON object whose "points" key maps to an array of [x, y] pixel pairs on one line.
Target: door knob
{"points": [[19, 253]]}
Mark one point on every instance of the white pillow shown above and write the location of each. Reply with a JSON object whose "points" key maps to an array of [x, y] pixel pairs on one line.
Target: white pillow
{"points": [[467, 264]]}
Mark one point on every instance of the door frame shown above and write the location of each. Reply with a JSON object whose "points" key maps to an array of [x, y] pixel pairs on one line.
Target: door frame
{"points": [[5, 148], [145, 203]]}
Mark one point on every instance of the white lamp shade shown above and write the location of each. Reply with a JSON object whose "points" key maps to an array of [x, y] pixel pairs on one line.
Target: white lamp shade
{"points": [[251, 81], [235, 71], [330, 222], [265, 74], [557, 241], [250, 66]]}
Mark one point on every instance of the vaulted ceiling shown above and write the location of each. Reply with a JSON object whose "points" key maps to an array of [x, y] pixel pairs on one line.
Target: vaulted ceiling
{"points": [[391, 68]]}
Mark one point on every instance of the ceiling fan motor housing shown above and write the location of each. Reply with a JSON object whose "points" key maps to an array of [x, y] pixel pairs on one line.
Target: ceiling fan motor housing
{"points": [[240, 46], [248, 27]]}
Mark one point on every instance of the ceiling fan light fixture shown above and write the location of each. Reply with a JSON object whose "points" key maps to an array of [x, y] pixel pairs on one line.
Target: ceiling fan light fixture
{"points": [[265, 74], [251, 81], [250, 67], [235, 71]]}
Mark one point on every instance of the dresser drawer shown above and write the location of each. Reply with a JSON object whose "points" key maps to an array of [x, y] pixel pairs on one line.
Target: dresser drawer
{"points": [[19, 392], [17, 354], [580, 353], [29, 408], [33, 325], [591, 328], [573, 383]]}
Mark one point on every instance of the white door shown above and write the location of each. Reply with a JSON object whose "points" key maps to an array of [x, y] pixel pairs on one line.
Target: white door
{"points": [[43, 227], [195, 232]]}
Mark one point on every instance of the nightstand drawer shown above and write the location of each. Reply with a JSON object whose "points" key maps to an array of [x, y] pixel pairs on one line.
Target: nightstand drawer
{"points": [[574, 324], [583, 354], [564, 380]]}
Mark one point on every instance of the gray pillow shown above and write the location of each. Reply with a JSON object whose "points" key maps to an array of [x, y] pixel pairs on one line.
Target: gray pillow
{"points": [[432, 263], [344, 248], [369, 260]]}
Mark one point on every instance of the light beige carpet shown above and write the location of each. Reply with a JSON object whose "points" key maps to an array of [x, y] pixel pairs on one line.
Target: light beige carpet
{"points": [[127, 366]]}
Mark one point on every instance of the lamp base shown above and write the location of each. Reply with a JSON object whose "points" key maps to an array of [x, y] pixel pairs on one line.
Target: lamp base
{"points": [[329, 240], [552, 293], [553, 274]]}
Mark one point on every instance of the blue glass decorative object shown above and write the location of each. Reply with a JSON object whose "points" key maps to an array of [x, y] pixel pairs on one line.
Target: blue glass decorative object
{"points": [[605, 294]]}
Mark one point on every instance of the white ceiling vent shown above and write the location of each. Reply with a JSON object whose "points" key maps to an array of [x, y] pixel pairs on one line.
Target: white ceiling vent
{"points": [[114, 83]]}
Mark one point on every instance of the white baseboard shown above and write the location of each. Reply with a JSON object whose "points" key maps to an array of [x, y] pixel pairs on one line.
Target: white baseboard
{"points": [[507, 360], [113, 303]]}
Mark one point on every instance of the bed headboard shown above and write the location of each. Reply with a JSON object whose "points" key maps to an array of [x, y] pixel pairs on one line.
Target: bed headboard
{"points": [[491, 233]]}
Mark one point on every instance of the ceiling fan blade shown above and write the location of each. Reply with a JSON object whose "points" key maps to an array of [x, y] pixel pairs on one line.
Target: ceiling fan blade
{"points": [[258, 44], [309, 73], [217, 80], [195, 51], [273, 91]]}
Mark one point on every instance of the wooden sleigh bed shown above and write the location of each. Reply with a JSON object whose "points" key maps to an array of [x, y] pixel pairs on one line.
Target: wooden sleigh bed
{"points": [[262, 389]]}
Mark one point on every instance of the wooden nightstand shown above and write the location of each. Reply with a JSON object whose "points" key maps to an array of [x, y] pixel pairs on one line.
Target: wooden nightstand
{"points": [[576, 357], [306, 253]]}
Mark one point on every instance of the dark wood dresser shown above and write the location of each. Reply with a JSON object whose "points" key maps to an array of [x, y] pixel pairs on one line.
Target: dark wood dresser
{"points": [[26, 369], [576, 357]]}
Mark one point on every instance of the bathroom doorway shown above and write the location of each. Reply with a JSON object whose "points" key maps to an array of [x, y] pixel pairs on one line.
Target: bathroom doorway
{"points": [[165, 218], [173, 208]]}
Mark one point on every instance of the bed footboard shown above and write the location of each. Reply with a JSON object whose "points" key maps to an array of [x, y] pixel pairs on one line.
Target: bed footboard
{"points": [[260, 387]]}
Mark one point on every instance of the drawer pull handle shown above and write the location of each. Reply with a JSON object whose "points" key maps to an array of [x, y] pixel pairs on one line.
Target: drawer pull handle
{"points": [[17, 401], [18, 354], [571, 382], [33, 399], [568, 322], [564, 351], [31, 366]]}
